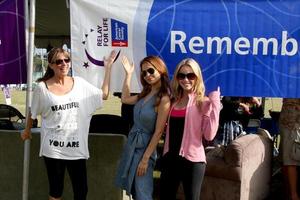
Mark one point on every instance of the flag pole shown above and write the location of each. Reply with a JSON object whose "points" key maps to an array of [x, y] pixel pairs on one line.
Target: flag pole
{"points": [[31, 31]]}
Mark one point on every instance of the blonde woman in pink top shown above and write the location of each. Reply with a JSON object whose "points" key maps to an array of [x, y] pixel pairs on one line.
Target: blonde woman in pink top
{"points": [[193, 116]]}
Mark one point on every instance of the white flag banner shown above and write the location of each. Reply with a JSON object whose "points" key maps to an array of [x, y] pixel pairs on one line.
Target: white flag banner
{"points": [[97, 27]]}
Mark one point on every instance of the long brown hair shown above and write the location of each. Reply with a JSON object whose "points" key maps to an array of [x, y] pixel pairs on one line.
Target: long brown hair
{"points": [[52, 55], [161, 67]]}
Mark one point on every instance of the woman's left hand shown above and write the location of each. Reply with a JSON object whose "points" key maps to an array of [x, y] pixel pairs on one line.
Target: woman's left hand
{"points": [[142, 167], [111, 58]]}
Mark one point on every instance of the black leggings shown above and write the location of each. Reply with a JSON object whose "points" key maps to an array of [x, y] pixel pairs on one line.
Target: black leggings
{"points": [[56, 174], [177, 169]]}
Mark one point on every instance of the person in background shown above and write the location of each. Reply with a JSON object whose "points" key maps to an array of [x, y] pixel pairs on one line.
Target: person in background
{"points": [[289, 126], [66, 105], [251, 108], [151, 108], [235, 116], [192, 118]]}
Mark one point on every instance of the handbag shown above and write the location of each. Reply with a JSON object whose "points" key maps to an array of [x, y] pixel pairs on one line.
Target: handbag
{"points": [[296, 146]]}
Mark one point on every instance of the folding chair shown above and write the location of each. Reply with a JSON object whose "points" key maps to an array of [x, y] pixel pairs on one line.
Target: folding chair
{"points": [[11, 118], [253, 126]]}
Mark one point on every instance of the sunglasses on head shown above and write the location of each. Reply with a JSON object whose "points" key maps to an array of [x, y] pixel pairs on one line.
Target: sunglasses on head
{"points": [[60, 61], [149, 70], [182, 76]]}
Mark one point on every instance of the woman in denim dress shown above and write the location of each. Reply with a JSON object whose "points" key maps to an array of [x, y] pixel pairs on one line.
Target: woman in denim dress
{"points": [[135, 171]]}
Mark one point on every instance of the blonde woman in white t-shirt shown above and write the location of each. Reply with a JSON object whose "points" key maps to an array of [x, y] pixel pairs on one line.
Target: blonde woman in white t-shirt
{"points": [[66, 105]]}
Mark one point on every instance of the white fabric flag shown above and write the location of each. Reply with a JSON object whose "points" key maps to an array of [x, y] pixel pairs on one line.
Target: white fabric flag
{"points": [[99, 26]]}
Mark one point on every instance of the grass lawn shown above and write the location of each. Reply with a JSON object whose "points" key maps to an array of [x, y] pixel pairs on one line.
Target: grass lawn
{"points": [[113, 104], [18, 98]]}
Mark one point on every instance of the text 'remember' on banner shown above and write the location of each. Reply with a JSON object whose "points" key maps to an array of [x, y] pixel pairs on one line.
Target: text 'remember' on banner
{"points": [[241, 46], [248, 48]]}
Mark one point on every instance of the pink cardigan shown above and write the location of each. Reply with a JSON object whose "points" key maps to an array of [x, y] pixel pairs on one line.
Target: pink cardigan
{"points": [[198, 123]]}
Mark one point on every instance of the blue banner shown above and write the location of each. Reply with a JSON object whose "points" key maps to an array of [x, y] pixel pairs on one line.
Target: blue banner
{"points": [[12, 42], [248, 48]]}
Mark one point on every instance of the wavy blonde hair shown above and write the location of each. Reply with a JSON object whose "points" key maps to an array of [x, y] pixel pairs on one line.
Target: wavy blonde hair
{"points": [[198, 88]]}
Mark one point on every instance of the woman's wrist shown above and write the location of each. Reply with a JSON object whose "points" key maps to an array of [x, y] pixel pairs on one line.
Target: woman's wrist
{"points": [[128, 77], [145, 158], [108, 66]]}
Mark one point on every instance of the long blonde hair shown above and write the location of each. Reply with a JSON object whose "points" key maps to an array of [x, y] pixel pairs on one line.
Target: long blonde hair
{"points": [[198, 88]]}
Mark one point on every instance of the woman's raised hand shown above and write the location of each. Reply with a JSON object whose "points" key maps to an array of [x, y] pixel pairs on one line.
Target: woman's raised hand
{"points": [[128, 67], [111, 58]]}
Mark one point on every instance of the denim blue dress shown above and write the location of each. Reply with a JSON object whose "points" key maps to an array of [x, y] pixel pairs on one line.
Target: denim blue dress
{"points": [[141, 187]]}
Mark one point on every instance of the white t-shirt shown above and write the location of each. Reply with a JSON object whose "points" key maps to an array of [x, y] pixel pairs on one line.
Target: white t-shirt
{"points": [[66, 119]]}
